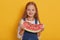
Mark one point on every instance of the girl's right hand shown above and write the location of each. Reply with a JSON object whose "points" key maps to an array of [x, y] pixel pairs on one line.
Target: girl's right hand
{"points": [[21, 32]]}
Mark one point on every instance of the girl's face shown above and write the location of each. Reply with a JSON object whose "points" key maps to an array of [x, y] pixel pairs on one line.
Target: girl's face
{"points": [[31, 10]]}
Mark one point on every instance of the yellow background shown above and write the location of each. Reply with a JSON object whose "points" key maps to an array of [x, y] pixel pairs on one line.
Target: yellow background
{"points": [[12, 10]]}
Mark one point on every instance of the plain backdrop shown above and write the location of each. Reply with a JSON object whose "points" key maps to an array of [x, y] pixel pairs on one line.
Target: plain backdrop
{"points": [[11, 12]]}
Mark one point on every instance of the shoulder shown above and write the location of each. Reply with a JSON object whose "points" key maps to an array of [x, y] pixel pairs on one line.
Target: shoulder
{"points": [[21, 21], [38, 21]]}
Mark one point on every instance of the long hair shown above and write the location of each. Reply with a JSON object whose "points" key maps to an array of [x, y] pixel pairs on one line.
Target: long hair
{"points": [[25, 12]]}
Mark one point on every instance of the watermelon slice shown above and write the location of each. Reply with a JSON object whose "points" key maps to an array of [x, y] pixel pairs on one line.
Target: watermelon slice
{"points": [[32, 27]]}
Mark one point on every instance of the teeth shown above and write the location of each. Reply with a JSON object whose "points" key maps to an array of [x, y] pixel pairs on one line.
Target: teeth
{"points": [[30, 13]]}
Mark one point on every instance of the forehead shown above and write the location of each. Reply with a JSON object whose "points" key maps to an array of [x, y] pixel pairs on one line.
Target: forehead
{"points": [[31, 6]]}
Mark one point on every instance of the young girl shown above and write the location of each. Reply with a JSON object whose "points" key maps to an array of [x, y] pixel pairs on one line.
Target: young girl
{"points": [[31, 16]]}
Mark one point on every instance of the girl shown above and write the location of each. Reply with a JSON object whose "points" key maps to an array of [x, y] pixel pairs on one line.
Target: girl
{"points": [[31, 16]]}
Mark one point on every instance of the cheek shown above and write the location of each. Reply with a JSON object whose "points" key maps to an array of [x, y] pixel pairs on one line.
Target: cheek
{"points": [[28, 12], [33, 12]]}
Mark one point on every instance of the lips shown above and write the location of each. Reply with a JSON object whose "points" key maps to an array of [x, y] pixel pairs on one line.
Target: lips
{"points": [[30, 13]]}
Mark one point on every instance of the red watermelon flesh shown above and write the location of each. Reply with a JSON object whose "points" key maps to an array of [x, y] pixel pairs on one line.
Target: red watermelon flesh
{"points": [[33, 27]]}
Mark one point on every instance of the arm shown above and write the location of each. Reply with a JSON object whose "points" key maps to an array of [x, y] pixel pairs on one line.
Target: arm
{"points": [[21, 27], [38, 34], [40, 31], [20, 30]]}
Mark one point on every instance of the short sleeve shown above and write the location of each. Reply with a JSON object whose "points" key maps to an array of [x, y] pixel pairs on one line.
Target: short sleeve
{"points": [[21, 21]]}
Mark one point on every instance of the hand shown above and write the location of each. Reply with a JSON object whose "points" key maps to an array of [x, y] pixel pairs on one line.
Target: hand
{"points": [[21, 32], [29, 23]]}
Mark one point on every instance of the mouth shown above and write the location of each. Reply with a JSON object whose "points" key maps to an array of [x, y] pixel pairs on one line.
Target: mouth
{"points": [[30, 13]]}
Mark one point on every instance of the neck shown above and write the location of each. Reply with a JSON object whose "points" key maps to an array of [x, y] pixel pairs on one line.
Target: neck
{"points": [[30, 18]]}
